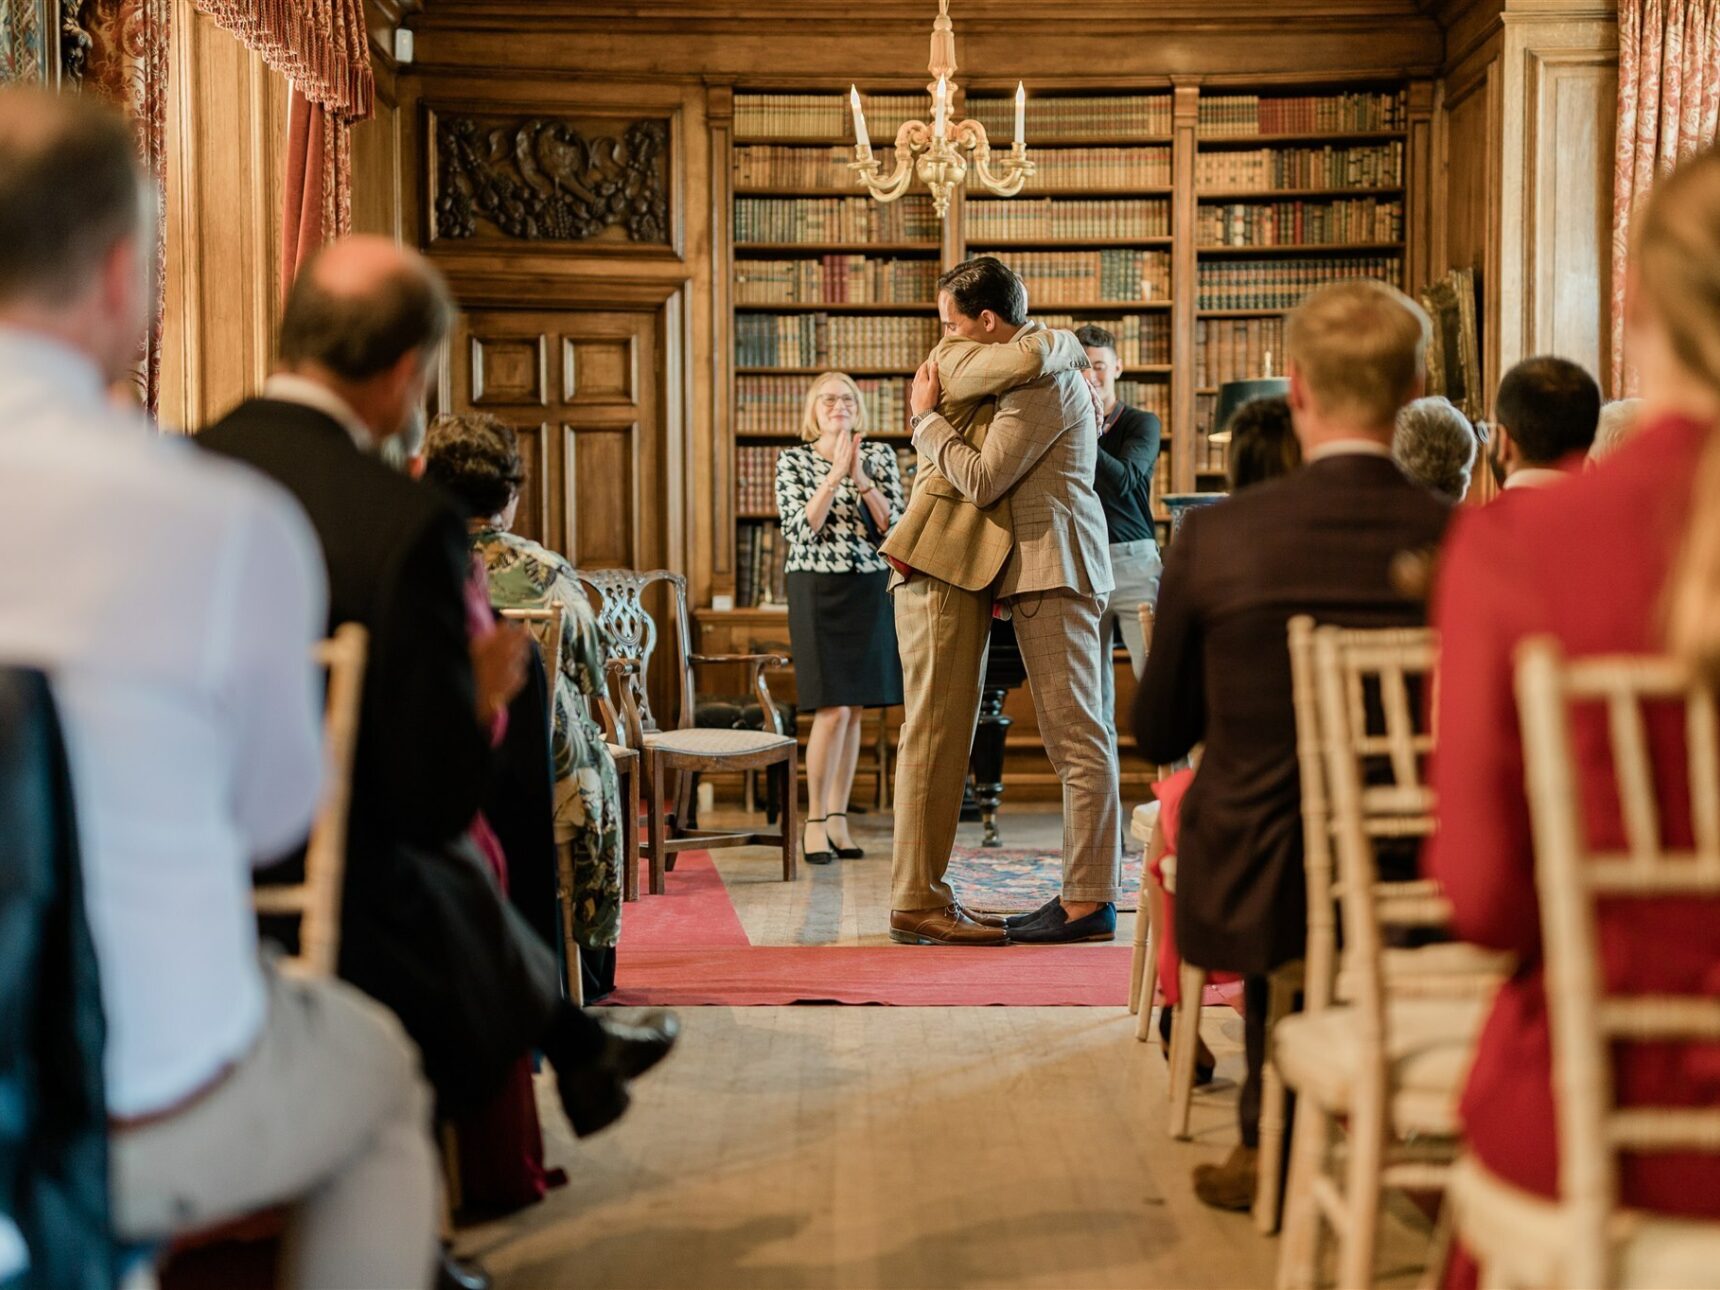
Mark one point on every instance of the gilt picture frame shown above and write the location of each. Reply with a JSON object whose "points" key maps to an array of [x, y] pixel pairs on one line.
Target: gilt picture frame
{"points": [[1454, 351]]}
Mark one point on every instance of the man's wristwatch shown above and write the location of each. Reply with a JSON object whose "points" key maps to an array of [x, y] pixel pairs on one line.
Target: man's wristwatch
{"points": [[916, 418]]}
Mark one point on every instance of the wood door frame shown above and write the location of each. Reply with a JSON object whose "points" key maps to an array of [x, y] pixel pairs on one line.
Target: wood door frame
{"points": [[667, 300]]}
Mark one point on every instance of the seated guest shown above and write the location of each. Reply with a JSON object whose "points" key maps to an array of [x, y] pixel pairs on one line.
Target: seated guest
{"points": [[1619, 420], [176, 619], [1545, 418], [1320, 541], [1554, 563], [476, 458], [1436, 446], [424, 929], [1262, 443]]}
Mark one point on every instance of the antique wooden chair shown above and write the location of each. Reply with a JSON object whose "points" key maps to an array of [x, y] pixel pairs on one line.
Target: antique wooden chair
{"points": [[680, 750], [1587, 1237], [1379, 1056]]}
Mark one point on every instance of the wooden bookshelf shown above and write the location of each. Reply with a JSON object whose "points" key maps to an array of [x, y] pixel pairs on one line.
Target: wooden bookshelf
{"points": [[1214, 183]]}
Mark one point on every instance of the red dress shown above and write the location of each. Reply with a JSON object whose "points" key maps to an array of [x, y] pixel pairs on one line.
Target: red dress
{"points": [[1585, 562], [1169, 794]]}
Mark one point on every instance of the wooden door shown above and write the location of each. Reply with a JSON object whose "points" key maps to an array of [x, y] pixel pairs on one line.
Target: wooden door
{"points": [[582, 388]]}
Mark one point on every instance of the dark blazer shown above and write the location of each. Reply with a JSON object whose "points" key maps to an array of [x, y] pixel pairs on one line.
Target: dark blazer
{"points": [[423, 927], [1319, 541], [1123, 474]]}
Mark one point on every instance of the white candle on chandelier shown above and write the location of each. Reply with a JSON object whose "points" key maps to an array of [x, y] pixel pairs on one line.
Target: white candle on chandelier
{"points": [[1020, 114], [860, 135], [940, 107]]}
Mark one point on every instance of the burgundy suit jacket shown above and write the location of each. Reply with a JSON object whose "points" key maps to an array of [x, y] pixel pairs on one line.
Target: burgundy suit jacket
{"points": [[1585, 562]]}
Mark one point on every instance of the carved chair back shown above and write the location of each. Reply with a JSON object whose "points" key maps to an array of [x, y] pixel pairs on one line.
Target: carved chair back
{"points": [[630, 632]]}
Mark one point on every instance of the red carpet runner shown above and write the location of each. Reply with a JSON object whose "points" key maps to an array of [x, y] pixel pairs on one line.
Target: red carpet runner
{"points": [[687, 947]]}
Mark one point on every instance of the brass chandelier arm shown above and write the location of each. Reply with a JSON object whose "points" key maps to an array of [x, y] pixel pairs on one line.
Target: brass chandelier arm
{"points": [[1013, 170], [914, 136]]}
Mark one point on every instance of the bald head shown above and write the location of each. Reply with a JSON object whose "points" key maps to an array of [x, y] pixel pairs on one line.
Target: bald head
{"points": [[360, 305]]}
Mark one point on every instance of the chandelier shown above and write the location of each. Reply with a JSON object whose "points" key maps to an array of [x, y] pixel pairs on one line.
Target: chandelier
{"points": [[935, 152]]}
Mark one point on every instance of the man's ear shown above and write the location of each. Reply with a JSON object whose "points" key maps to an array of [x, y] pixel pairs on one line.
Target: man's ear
{"points": [[989, 321], [1507, 449], [1298, 395]]}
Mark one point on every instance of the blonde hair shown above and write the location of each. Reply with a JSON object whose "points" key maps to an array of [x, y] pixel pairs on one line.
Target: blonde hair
{"points": [[1360, 347], [809, 430], [1677, 264]]}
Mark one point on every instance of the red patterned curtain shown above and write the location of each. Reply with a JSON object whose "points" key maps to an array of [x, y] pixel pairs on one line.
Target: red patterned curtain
{"points": [[125, 61], [322, 47], [1668, 108]]}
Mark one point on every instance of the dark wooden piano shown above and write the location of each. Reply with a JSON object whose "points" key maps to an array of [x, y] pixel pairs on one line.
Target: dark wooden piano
{"points": [[1004, 671]]}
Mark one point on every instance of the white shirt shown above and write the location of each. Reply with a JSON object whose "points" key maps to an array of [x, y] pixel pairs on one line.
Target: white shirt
{"points": [[172, 599], [1357, 447], [1536, 477]]}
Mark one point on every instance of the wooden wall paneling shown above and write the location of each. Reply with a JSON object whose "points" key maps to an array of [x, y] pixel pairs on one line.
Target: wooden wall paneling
{"points": [[1466, 230], [226, 120], [1421, 191], [714, 524], [1185, 108], [379, 164]]}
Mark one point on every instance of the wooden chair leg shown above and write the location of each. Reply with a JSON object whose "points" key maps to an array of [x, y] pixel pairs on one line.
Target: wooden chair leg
{"points": [[1185, 1046], [654, 814], [1273, 1101], [570, 947], [1299, 1251], [1152, 912], [1137, 964], [449, 1142], [1364, 1147], [790, 821], [630, 832]]}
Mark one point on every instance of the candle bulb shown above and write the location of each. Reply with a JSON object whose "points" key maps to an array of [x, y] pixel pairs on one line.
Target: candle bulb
{"points": [[939, 108], [1020, 114], [860, 135]]}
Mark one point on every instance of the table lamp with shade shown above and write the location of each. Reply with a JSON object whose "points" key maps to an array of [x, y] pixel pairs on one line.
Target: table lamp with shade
{"points": [[1233, 394]]}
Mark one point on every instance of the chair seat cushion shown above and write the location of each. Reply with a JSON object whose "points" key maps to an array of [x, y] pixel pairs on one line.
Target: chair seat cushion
{"points": [[1429, 1044], [1142, 820], [715, 742], [1524, 1235]]}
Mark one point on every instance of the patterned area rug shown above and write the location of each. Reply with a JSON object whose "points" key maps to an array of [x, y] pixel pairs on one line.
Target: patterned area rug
{"points": [[1012, 879]]}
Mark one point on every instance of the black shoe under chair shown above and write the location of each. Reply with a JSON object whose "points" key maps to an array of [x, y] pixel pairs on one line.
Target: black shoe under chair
{"points": [[846, 853], [817, 857], [452, 1274], [1054, 927], [594, 1091]]}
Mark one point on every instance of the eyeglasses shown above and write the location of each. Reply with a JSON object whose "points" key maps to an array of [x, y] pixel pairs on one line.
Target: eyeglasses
{"points": [[838, 401]]}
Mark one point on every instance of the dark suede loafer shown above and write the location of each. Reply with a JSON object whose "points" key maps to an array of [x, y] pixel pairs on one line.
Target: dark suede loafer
{"points": [[1054, 927], [1033, 915]]}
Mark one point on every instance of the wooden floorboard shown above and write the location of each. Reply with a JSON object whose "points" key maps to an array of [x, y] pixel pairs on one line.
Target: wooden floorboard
{"points": [[869, 1148]]}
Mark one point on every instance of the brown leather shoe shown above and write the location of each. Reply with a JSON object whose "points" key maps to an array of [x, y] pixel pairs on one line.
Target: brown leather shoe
{"points": [[946, 926], [1230, 1185], [984, 920]]}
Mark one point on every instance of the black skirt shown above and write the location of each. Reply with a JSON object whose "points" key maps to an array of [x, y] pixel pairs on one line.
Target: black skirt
{"points": [[843, 633]]}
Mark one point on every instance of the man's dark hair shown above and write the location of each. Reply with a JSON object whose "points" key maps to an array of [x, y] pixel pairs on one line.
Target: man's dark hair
{"points": [[1093, 336], [476, 458], [1551, 406], [1263, 442], [358, 335], [986, 282], [71, 188]]}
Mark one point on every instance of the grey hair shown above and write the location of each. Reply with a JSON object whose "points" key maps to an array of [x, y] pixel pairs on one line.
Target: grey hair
{"points": [[1436, 446], [1618, 420]]}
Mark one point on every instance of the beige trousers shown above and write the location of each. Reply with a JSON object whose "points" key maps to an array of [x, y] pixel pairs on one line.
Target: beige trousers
{"points": [[1058, 632], [328, 1114], [942, 633]]}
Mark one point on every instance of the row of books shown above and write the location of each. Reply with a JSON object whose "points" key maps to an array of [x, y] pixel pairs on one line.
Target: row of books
{"points": [[763, 165], [1237, 349], [836, 279], [786, 166], [1149, 396], [775, 405], [1238, 115], [755, 479], [1078, 116], [823, 340], [1373, 165], [835, 219], [761, 560], [1142, 339], [1281, 284], [1207, 455], [1116, 274], [1161, 485], [1105, 218], [824, 116], [1363, 219]]}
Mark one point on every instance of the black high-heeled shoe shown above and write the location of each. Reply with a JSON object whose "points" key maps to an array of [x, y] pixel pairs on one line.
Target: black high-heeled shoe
{"points": [[816, 857], [847, 853], [1205, 1064]]}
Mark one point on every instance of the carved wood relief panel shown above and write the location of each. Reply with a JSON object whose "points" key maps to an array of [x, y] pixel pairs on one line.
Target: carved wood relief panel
{"points": [[532, 178]]}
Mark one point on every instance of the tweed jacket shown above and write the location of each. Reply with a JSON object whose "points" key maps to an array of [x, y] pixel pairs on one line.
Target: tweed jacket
{"points": [[942, 533], [1038, 455]]}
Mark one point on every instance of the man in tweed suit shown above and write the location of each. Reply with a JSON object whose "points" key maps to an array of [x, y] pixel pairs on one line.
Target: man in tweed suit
{"points": [[1037, 455]]}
